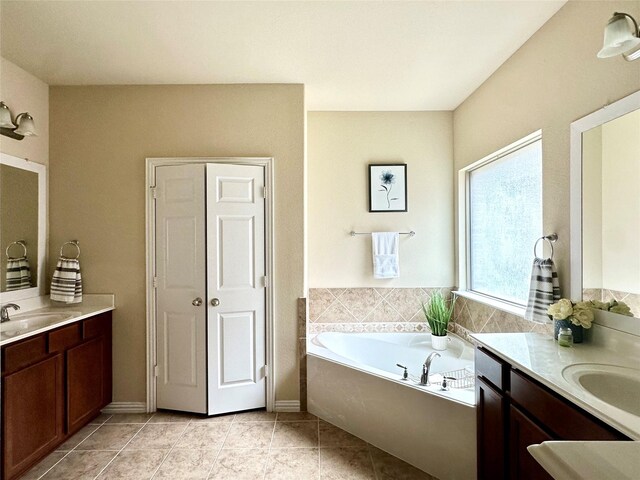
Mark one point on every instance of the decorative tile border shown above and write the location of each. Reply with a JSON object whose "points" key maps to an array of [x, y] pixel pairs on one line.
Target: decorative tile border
{"points": [[368, 309]]}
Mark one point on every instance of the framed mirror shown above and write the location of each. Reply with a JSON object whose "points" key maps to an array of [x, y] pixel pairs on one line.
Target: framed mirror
{"points": [[23, 228], [605, 210]]}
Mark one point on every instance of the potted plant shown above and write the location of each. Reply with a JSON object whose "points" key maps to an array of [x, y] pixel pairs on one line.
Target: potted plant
{"points": [[438, 312]]}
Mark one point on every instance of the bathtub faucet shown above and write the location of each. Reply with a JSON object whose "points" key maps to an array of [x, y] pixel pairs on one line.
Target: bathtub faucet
{"points": [[424, 379]]}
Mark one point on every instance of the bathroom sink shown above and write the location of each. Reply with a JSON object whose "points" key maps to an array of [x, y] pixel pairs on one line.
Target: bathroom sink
{"points": [[30, 321], [612, 384]]}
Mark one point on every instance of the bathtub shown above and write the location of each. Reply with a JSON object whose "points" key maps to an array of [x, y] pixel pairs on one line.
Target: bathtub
{"points": [[353, 382]]}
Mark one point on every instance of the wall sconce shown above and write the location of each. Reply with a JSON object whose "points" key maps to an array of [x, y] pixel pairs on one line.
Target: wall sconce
{"points": [[620, 38], [19, 128]]}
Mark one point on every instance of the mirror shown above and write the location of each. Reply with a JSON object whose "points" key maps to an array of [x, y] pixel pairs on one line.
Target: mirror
{"points": [[605, 208], [22, 228]]}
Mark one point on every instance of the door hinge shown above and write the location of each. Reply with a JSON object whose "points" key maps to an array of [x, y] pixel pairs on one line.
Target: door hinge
{"points": [[265, 281], [155, 282], [264, 192], [266, 370], [154, 192], [156, 371]]}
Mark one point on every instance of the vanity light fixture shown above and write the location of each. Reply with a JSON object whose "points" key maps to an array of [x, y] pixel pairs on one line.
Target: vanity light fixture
{"points": [[19, 128], [620, 38]]}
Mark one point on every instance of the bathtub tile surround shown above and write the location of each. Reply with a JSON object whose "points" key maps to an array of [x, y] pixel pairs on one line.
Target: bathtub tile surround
{"points": [[302, 350], [606, 295], [298, 445], [368, 309], [470, 316]]}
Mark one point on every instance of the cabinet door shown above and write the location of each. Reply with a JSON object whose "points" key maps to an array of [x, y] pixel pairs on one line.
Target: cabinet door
{"points": [[32, 414], [522, 433], [492, 418], [85, 382]]}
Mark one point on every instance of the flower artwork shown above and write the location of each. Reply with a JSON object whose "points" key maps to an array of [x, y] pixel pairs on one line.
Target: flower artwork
{"points": [[388, 188]]}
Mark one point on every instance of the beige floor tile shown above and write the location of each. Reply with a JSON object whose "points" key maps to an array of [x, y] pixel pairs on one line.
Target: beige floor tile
{"points": [[293, 464], [250, 435], [130, 418], [100, 419], [134, 464], [80, 466], [346, 464], [171, 417], [296, 417], [159, 436], [295, 434], [44, 465], [204, 435], [332, 436], [256, 416], [216, 419], [388, 467], [109, 437], [240, 464], [78, 437], [182, 464]]}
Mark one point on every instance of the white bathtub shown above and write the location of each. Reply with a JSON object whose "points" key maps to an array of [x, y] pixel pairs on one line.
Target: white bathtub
{"points": [[353, 382]]}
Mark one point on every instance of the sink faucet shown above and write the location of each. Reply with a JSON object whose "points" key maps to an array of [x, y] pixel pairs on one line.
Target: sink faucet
{"points": [[424, 378], [4, 314]]}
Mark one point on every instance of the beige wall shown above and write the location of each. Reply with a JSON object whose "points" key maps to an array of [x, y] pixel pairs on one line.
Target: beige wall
{"points": [[552, 80], [340, 146], [22, 92], [100, 137]]}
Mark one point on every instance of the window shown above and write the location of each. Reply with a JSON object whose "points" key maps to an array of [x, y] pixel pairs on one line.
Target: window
{"points": [[503, 219]]}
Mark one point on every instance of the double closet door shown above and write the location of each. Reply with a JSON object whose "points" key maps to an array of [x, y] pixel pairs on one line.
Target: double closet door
{"points": [[210, 287]]}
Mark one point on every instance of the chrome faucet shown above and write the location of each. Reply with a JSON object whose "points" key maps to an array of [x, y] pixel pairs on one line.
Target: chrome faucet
{"points": [[424, 378], [4, 314]]}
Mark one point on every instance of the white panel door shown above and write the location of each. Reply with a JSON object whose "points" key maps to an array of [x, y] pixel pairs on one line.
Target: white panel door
{"points": [[235, 285], [181, 275]]}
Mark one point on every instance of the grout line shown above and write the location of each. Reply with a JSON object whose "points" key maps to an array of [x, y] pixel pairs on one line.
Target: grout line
{"points": [[373, 465], [215, 460], [319, 462], [50, 468], [119, 451], [273, 434], [171, 449]]}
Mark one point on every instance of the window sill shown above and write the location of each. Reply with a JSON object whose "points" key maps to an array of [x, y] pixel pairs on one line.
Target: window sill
{"points": [[492, 302]]}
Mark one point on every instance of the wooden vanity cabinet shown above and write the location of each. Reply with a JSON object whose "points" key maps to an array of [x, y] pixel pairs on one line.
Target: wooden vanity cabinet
{"points": [[53, 384], [515, 411]]}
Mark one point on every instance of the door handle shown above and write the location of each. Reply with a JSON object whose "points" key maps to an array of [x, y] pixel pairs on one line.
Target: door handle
{"points": [[196, 302], [215, 302]]}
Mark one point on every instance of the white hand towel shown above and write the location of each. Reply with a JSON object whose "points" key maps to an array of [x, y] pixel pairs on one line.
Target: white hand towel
{"points": [[66, 284], [386, 263]]}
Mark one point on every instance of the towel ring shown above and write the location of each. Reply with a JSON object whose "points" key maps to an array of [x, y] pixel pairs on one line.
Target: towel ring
{"points": [[22, 243], [550, 239], [76, 244]]}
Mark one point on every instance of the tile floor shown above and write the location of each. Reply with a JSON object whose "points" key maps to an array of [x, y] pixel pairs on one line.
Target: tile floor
{"points": [[250, 445]]}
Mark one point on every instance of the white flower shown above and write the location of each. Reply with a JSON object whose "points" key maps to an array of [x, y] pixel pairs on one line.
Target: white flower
{"points": [[561, 310], [582, 315]]}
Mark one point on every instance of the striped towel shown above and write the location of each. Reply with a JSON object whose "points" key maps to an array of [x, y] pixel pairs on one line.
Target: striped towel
{"points": [[66, 284], [544, 290], [18, 273]]}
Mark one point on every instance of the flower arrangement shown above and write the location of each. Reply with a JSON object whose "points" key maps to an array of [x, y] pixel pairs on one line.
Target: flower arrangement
{"points": [[581, 313], [438, 313]]}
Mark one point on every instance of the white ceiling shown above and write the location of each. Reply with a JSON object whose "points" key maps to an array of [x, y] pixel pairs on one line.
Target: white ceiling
{"points": [[351, 55]]}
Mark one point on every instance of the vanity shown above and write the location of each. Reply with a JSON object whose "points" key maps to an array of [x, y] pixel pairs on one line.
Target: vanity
{"points": [[56, 377]]}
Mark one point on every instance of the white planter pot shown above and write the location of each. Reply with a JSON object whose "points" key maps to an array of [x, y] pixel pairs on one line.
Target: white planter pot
{"points": [[439, 343]]}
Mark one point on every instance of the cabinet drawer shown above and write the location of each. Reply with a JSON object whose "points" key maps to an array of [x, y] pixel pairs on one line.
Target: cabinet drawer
{"points": [[21, 354], [95, 326], [559, 416], [64, 337], [491, 368]]}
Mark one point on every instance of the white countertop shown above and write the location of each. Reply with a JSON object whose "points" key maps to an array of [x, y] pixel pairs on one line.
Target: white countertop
{"points": [[92, 304], [540, 357], [589, 460]]}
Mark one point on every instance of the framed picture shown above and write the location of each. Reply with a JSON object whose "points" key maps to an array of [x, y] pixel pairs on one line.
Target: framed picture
{"points": [[388, 187]]}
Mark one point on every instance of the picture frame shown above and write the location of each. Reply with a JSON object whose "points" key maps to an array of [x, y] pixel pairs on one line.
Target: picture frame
{"points": [[387, 187]]}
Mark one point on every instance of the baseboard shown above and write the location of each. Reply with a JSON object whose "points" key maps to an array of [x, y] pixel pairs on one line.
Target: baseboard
{"points": [[287, 406], [125, 407]]}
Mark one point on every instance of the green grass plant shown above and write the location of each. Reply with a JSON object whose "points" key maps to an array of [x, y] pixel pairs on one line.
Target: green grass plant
{"points": [[438, 312]]}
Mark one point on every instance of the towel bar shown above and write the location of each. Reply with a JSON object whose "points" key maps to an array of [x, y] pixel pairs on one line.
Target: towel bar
{"points": [[353, 234]]}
